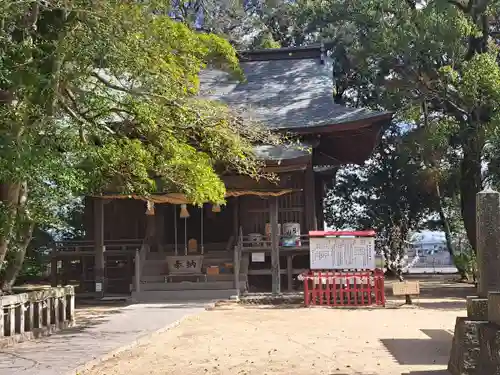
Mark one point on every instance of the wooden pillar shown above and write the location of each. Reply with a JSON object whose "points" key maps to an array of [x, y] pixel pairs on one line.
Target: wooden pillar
{"points": [[54, 280], [160, 227], [150, 236], [319, 187], [289, 272], [137, 276], [236, 217], [236, 268], [1, 319], [310, 201], [99, 248], [83, 275], [275, 250], [66, 269]]}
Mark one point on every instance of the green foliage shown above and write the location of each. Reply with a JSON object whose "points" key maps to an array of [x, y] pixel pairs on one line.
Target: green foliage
{"points": [[265, 41], [122, 102], [433, 63], [100, 96], [466, 263], [386, 192]]}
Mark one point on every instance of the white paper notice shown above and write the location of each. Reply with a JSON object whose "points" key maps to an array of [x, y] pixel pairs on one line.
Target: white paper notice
{"points": [[342, 253], [258, 257]]}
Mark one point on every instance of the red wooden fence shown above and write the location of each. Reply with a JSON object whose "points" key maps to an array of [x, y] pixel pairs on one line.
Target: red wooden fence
{"points": [[344, 288]]}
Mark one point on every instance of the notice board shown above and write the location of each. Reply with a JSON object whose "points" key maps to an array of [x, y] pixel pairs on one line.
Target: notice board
{"points": [[329, 253]]}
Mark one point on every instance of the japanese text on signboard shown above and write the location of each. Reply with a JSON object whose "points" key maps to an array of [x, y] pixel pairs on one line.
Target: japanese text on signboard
{"points": [[342, 253]]}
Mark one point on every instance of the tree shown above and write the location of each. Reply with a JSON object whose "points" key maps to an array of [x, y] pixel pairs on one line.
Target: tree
{"points": [[235, 20], [437, 58], [99, 96], [387, 195]]}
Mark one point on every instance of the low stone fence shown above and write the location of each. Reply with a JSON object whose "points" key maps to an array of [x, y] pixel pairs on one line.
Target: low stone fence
{"points": [[30, 315]]}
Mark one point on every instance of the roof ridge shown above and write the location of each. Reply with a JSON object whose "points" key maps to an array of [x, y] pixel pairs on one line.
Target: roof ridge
{"points": [[310, 51], [301, 52]]}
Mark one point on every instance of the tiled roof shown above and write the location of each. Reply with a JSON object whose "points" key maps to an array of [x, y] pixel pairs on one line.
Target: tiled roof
{"points": [[283, 93], [282, 152]]}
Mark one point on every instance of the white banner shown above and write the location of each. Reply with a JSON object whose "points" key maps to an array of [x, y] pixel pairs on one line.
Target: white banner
{"points": [[342, 253]]}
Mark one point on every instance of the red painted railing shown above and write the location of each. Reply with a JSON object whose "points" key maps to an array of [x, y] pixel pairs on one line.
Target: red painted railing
{"points": [[344, 288]]}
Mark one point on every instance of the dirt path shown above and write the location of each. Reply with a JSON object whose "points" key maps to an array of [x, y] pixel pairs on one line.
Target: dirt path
{"points": [[244, 341]]}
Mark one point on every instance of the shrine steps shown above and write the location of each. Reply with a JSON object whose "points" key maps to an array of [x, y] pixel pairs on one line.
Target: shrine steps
{"points": [[156, 262], [160, 278], [186, 285], [153, 287], [162, 296]]}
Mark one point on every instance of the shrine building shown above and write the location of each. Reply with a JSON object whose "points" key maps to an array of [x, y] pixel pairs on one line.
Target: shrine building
{"points": [[162, 248]]}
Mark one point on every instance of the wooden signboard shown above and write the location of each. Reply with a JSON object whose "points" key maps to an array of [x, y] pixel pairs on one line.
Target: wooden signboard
{"points": [[411, 288], [184, 264]]}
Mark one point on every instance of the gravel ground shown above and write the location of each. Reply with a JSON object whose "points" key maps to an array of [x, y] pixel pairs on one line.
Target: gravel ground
{"points": [[237, 340]]}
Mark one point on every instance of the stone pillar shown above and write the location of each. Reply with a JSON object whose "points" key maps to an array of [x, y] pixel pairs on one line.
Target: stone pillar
{"points": [[488, 253], [11, 320], [474, 340], [55, 308], [477, 308], [488, 241], [31, 315], [38, 321], [494, 308]]}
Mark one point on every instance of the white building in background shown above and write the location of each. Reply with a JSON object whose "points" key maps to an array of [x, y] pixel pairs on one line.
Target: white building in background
{"points": [[427, 253]]}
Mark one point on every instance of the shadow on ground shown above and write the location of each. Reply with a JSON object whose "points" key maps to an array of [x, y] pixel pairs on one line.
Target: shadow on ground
{"points": [[433, 350], [431, 372], [458, 304], [438, 294], [434, 287], [170, 305], [87, 318]]}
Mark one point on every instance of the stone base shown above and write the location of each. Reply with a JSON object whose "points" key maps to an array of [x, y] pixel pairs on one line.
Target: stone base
{"points": [[477, 308], [489, 360], [475, 348], [494, 307], [465, 348]]}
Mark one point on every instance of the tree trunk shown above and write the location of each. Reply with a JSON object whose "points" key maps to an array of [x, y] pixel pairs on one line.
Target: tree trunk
{"points": [[14, 267], [470, 182], [444, 220], [9, 197], [22, 238]]}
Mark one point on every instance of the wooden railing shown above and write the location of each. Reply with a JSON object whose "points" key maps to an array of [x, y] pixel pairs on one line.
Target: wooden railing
{"points": [[30, 315], [83, 247]]}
